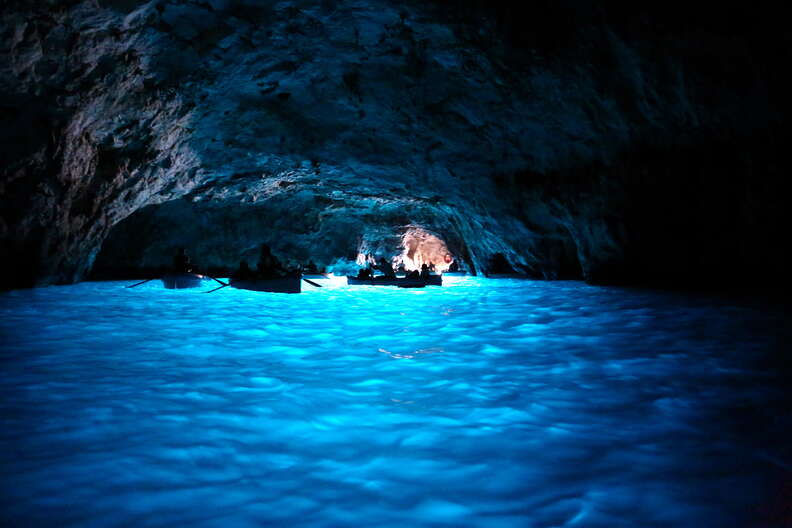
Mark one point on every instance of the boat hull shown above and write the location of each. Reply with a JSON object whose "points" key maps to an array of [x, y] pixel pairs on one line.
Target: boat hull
{"points": [[402, 282], [180, 281], [275, 285]]}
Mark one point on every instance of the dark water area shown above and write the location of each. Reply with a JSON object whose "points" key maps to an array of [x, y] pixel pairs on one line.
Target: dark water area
{"points": [[481, 403]]}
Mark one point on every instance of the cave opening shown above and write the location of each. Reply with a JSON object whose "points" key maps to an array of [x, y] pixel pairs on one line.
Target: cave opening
{"points": [[409, 252], [422, 247]]}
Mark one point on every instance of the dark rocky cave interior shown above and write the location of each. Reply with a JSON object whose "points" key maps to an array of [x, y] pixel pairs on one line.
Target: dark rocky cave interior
{"points": [[559, 140]]}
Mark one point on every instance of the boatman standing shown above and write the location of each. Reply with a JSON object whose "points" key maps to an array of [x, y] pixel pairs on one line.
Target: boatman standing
{"points": [[268, 264]]}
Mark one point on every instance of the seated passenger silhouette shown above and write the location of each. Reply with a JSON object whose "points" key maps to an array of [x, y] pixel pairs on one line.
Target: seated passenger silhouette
{"points": [[386, 268], [181, 262], [244, 272]]}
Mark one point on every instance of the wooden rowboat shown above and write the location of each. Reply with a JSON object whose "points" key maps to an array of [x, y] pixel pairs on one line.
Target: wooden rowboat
{"points": [[274, 285], [402, 282], [180, 281]]}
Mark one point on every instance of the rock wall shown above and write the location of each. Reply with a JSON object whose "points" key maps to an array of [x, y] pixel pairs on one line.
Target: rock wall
{"points": [[549, 139]]}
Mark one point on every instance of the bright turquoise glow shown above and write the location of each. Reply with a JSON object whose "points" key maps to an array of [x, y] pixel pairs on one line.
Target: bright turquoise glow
{"points": [[481, 403]]}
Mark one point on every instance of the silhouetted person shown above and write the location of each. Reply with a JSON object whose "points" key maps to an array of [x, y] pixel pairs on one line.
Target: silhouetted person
{"points": [[424, 271], [268, 264], [244, 271], [181, 262], [364, 273], [385, 267]]}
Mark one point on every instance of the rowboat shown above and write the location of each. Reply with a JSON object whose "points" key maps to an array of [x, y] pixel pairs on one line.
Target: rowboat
{"points": [[180, 281], [402, 282], [274, 285]]}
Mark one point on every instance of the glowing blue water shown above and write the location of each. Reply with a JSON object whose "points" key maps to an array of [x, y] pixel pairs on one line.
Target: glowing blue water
{"points": [[483, 403]]}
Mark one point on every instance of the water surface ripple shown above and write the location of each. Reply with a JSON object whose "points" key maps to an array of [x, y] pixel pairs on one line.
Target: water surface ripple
{"points": [[482, 403]]}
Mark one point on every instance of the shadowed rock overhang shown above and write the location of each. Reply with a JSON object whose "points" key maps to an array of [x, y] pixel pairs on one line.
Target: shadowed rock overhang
{"points": [[567, 140]]}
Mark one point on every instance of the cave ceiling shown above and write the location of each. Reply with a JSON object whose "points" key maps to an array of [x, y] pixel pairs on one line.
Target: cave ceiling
{"points": [[325, 128]]}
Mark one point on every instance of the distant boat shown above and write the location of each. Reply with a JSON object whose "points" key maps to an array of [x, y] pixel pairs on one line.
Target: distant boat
{"points": [[180, 281], [274, 285], [401, 282]]}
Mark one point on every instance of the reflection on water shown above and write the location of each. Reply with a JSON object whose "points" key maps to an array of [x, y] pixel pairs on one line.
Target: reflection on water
{"points": [[484, 403]]}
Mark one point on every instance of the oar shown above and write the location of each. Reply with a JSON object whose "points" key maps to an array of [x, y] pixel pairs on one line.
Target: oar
{"points": [[139, 283], [221, 282], [218, 288], [312, 283]]}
